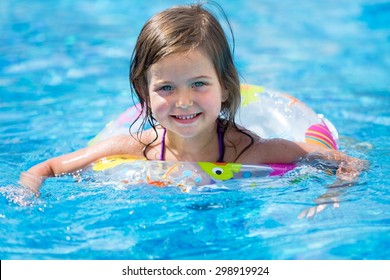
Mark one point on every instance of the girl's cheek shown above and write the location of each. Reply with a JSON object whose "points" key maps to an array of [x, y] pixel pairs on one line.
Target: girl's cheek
{"points": [[159, 106]]}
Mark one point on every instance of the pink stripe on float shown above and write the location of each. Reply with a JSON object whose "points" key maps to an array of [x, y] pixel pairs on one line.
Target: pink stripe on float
{"points": [[280, 168]]}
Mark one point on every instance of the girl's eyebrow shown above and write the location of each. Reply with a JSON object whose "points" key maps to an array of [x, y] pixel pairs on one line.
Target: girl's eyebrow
{"points": [[163, 82], [201, 77], [191, 79]]}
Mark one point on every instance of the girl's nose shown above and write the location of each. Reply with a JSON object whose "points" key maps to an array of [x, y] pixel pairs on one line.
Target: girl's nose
{"points": [[184, 100]]}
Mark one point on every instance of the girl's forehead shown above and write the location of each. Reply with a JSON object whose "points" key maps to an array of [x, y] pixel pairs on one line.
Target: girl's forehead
{"points": [[194, 62], [193, 55]]}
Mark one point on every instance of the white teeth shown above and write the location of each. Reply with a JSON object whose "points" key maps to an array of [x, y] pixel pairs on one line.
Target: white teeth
{"points": [[186, 117]]}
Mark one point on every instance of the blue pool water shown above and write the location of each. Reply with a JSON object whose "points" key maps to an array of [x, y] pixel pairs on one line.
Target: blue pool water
{"points": [[64, 67]]}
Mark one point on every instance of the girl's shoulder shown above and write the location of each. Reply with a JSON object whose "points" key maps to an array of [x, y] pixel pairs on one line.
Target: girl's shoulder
{"points": [[247, 147], [277, 150], [116, 145]]}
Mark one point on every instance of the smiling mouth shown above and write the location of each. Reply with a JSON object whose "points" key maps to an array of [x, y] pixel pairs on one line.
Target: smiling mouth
{"points": [[186, 117]]}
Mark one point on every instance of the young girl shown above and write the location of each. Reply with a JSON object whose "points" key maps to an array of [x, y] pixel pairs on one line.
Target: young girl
{"points": [[183, 74]]}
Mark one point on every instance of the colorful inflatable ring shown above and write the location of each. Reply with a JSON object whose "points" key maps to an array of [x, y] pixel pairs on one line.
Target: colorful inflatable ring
{"points": [[269, 114]]}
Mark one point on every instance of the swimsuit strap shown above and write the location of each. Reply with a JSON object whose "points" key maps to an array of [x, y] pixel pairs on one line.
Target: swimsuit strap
{"points": [[162, 153], [220, 143]]}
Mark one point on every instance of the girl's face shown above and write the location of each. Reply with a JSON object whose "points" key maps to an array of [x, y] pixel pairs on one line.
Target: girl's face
{"points": [[185, 93]]}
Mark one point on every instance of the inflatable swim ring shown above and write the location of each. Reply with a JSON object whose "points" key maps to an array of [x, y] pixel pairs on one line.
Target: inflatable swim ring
{"points": [[268, 113]]}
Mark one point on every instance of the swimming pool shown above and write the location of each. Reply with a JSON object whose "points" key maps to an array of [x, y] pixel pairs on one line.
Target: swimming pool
{"points": [[64, 68]]}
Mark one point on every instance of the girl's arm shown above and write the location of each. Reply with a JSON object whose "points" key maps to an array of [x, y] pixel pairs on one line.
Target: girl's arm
{"points": [[34, 177], [284, 151], [348, 168]]}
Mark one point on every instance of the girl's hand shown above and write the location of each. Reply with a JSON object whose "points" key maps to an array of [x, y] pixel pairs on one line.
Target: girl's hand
{"points": [[322, 204], [349, 170], [31, 181], [331, 197]]}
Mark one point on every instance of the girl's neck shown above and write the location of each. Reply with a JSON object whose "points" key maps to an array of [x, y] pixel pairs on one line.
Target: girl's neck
{"points": [[204, 147]]}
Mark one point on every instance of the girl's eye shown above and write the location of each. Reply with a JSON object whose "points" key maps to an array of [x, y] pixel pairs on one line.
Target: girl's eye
{"points": [[166, 88], [198, 84]]}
